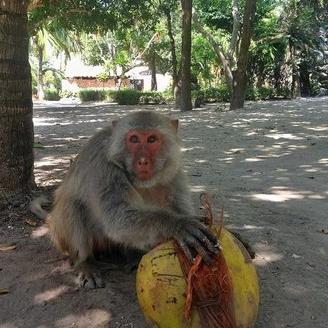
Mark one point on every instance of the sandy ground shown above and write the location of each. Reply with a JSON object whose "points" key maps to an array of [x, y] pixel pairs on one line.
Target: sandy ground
{"points": [[270, 161]]}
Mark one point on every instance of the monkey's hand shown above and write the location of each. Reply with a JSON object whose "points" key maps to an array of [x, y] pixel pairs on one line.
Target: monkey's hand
{"points": [[194, 238]]}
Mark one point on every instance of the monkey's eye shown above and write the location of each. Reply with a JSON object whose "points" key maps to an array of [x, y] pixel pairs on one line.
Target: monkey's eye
{"points": [[134, 139], [152, 139]]}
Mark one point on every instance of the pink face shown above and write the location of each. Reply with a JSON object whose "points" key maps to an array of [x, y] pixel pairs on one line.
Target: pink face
{"points": [[144, 145]]}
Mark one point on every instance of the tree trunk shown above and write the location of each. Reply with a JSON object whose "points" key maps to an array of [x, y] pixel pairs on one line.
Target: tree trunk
{"points": [[152, 66], [217, 49], [234, 34], [295, 88], [305, 84], [40, 73], [173, 53], [16, 127], [185, 101], [240, 75]]}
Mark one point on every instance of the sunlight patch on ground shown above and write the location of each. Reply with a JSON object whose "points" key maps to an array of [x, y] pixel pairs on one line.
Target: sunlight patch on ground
{"points": [[245, 227], [50, 294], [277, 136], [282, 194], [278, 197], [51, 161], [254, 159], [252, 133], [317, 197], [91, 318], [227, 159], [198, 188], [234, 151], [323, 161], [184, 149], [319, 128], [266, 257], [40, 232]]}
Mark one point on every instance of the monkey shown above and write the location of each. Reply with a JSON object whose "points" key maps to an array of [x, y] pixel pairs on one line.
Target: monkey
{"points": [[127, 186], [199, 101]]}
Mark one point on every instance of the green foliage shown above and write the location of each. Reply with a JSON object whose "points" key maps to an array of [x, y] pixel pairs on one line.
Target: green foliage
{"points": [[127, 97], [151, 98], [92, 95], [52, 79], [267, 93], [51, 94], [288, 35], [122, 97], [219, 94], [314, 88], [68, 94], [210, 95], [89, 15], [103, 76], [282, 93], [223, 94]]}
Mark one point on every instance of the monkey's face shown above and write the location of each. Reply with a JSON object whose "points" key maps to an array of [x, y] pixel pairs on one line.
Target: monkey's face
{"points": [[144, 147]]}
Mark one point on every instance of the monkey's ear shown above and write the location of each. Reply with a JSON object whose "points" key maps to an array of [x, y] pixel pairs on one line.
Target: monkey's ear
{"points": [[114, 123], [175, 125]]}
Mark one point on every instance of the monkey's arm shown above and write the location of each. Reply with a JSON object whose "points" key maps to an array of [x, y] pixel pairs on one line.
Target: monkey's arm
{"points": [[130, 222], [181, 195]]}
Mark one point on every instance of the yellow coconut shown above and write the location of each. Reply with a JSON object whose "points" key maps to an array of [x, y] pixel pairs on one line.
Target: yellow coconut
{"points": [[161, 286]]}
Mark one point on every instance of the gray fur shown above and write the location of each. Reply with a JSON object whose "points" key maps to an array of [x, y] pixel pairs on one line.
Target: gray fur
{"points": [[101, 198]]}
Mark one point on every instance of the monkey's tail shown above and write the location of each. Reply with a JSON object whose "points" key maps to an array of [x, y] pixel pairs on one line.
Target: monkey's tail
{"points": [[36, 206]]}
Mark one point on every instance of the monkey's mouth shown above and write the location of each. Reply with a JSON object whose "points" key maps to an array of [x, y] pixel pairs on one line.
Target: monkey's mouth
{"points": [[144, 175]]}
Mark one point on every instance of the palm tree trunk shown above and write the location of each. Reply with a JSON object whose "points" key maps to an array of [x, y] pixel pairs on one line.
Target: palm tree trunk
{"points": [[40, 73], [185, 100], [16, 127]]}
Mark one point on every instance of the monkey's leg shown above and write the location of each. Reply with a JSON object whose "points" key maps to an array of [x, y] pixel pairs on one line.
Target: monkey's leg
{"points": [[81, 252], [88, 274]]}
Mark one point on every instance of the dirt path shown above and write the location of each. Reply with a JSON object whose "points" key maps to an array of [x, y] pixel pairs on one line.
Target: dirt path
{"points": [[270, 161]]}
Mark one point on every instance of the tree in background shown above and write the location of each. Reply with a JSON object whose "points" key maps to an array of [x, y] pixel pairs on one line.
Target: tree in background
{"points": [[240, 75], [185, 75], [50, 40], [16, 127]]}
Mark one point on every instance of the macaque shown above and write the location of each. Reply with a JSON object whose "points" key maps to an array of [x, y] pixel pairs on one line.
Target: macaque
{"points": [[127, 187]]}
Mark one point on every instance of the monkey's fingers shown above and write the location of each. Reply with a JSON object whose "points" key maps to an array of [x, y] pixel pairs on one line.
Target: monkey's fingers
{"points": [[209, 234], [186, 250], [193, 243], [204, 240], [206, 236]]}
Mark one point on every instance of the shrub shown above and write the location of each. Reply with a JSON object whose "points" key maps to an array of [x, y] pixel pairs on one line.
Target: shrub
{"points": [[127, 97], [151, 98], [92, 95], [51, 94], [110, 95], [283, 93], [68, 94], [252, 93], [265, 93], [314, 88], [219, 94], [122, 97]]}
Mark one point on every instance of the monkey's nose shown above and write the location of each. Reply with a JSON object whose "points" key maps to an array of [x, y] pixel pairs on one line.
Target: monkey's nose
{"points": [[142, 162]]}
